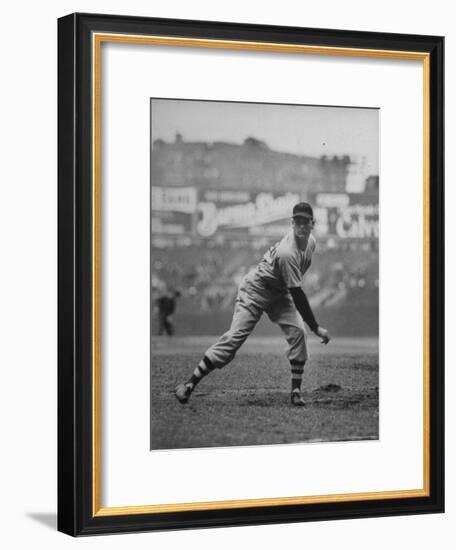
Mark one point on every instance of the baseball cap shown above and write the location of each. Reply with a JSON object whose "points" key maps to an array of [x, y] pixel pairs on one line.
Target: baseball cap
{"points": [[302, 209]]}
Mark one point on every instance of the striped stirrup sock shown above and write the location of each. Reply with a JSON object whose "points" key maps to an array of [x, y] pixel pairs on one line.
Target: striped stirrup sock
{"points": [[202, 370], [296, 376]]}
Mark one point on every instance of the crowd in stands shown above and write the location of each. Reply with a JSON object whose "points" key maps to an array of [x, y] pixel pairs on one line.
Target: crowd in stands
{"points": [[208, 278]]}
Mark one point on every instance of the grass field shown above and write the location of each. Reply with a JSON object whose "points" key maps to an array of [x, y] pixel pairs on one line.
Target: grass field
{"points": [[247, 402]]}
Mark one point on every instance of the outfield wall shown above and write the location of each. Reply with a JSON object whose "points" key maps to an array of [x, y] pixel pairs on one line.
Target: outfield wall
{"points": [[359, 320]]}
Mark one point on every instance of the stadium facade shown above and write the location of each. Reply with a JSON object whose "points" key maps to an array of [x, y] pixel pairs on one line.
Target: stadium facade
{"points": [[216, 207]]}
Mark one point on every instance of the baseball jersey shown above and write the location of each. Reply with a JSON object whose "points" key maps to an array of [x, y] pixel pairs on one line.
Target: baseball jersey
{"points": [[283, 266]]}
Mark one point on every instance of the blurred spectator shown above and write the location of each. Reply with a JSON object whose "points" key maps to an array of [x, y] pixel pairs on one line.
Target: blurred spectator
{"points": [[166, 305]]}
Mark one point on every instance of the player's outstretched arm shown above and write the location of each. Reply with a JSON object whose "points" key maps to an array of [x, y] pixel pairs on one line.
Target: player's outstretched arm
{"points": [[303, 306]]}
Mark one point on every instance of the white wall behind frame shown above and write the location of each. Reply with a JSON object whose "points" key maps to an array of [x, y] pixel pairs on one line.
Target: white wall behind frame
{"points": [[28, 320]]}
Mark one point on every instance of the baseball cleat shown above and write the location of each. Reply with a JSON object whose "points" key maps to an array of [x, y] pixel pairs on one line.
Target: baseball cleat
{"points": [[296, 399], [183, 392]]}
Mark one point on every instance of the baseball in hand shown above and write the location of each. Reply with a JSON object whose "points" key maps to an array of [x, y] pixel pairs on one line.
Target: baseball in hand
{"points": [[323, 334]]}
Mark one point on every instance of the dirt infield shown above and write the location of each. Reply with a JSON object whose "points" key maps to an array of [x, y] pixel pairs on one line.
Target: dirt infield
{"points": [[247, 402]]}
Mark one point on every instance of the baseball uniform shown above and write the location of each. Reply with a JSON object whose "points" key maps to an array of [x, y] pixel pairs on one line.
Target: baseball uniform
{"points": [[266, 289]]}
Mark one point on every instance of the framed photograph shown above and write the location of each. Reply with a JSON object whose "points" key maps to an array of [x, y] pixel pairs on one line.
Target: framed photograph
{"points": [[251, 274]]}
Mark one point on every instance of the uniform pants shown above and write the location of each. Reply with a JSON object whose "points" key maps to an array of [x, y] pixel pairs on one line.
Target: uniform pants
{"points": [[165, 325], [247, 312]]}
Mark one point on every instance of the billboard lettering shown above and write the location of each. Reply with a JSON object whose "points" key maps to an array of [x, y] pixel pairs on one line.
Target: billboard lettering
{"points": [[263, 208], [174, 199]]}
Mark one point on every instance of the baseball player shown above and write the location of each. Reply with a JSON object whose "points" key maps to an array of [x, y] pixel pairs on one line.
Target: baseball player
{"points": [[273, 287]]}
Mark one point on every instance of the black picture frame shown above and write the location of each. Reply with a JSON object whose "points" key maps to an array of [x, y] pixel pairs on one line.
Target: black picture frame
{"points": [[76, 510]]}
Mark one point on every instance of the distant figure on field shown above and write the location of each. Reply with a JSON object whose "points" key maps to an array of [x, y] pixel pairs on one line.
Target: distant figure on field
{"points": [[166, 305]]}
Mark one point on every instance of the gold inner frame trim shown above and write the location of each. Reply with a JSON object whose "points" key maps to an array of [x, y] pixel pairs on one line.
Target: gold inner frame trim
{"points": [[97, 40], [253, 503]]}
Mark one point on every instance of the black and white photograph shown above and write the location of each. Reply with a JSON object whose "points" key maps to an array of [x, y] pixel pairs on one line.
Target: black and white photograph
{"points": [[264, 274]]}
